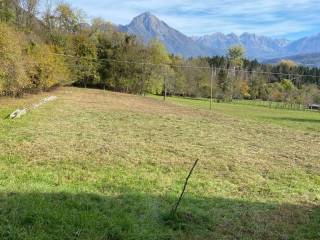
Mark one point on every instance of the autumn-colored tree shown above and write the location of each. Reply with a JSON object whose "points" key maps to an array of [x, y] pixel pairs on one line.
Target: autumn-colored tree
{"points": [[30, 9], [67, 19], [258, 87], [7, 13], [13, 78], [288, 90], [245, 90], [85, 62], [236, 55], [224, 84], [45, 69], [158, 54], [288, 63]]}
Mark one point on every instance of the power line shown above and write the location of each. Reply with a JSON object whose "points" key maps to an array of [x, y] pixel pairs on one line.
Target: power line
{"points": [[184, 66]]}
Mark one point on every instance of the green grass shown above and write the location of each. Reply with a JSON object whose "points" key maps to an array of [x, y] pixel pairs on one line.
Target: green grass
{"points": [[102, 165], [302, 120]]}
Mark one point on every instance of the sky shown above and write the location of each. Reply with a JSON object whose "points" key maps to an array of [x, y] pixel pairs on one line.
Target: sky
{"points": [[290, 19]]}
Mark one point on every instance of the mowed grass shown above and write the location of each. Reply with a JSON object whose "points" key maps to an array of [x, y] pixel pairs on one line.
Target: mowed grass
{"points": [[297, 119], [103, 165]]}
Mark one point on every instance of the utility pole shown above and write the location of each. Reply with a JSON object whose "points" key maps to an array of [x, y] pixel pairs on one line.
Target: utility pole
{"points": [[211, 88], [165, 88]]}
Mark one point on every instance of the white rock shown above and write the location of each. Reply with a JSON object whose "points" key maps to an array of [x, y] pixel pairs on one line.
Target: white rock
{"points": [[51, 98], [18, 113], [43, 101]]}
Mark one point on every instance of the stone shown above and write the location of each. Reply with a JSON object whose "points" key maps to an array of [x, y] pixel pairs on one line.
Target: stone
{"points": [[18, 113]]}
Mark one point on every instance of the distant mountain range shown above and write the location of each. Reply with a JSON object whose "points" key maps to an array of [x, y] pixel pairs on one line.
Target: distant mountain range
{"points": [[256, 46], [148, 26], [308, 59]]}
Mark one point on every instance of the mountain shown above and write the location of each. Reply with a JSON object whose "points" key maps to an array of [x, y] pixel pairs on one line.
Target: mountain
{"points": [[259, 47], [304, 45], [308, 59], [148, 27]]}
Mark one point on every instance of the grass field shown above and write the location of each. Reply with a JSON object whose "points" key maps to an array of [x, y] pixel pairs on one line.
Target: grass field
{"points": [[103, 165], [297, 119]]}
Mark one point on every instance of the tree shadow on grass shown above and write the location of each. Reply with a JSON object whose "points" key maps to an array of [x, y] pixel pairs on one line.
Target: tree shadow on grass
{"points": [[145, 216]]}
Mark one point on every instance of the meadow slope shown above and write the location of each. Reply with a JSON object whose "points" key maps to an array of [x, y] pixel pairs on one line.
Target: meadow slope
{"points": [[102, 165]]}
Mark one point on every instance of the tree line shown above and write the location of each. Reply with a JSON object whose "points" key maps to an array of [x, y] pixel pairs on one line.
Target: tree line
{"points": [[58, 47]]}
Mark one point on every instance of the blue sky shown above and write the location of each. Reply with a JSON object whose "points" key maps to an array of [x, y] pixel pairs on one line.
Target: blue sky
{"points": [[290, 19]]}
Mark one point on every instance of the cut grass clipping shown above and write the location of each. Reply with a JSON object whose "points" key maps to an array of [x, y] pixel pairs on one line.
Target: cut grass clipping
{"points": [[103, 165]]}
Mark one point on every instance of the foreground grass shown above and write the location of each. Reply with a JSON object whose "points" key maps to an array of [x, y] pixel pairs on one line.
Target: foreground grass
{"points": [[102, 165]]}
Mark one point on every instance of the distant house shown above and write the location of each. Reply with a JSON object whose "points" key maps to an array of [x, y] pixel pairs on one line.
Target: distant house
{"points": [[314, 106]]}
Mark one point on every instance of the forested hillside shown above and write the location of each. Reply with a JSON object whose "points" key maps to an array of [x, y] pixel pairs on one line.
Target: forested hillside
{"points": [[59, 47]]}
